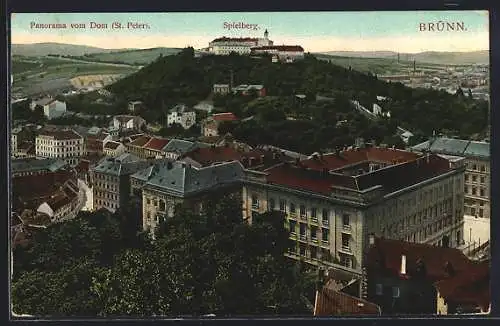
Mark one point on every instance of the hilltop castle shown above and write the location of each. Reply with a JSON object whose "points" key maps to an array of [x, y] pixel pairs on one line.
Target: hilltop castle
{"points": [[248, 46]]}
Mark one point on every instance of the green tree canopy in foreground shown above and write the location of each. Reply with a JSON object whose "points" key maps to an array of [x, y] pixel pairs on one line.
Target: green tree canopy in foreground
{"points": [[209, 264]]}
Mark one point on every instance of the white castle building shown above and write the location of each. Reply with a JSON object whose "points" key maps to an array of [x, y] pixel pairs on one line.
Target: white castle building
{"points": [[226, 45], [249, 45]]}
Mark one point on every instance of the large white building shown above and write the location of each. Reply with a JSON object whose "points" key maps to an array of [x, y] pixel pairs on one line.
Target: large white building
{"points": [[181, 115], [288, 53], [240, 45], [67, 145], [52, 108]]}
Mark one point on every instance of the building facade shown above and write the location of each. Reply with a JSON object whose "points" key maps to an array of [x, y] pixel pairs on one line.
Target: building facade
{"points": [[66, 144], [287, 53], [334, 201], [113, 148], [177, 183], [181, 115], [128, 122], [111, 180], [477, 174], [242, 46], [51, 107]]}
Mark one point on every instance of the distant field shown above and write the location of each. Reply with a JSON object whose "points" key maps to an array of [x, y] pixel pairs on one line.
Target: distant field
{"points": [[36, 74], [376, 65], [93, 80], [135, 57]]}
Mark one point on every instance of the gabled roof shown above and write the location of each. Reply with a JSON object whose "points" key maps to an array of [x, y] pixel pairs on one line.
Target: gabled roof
{"points": [[33, 164], [226, 116], [336, 303], [61, 134], [451, 146], [178, 146], [387, 254], [44, 101], [156, 144], [141, 141], [180, 179], [471, 286], [124, 164], [180, 108], [111, 145], [209, 155]]}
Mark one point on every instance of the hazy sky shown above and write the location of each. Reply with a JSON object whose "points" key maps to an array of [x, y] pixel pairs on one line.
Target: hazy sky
{"points": [[315, 31]]}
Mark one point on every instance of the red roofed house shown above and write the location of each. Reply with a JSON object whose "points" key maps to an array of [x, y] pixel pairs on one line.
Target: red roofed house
{"points": [[333, 201], [210, 127], [411, 278], [465, 292], [136, 147], [332, 303], [287, 53], [153, 148], [114, 149]]}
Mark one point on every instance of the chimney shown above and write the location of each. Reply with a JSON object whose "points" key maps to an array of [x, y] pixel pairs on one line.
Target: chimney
{"points": [[403, 265]]}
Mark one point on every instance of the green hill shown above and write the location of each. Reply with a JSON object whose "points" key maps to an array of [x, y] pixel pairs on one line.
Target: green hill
{"points": [[135, 57], [184, 78]]}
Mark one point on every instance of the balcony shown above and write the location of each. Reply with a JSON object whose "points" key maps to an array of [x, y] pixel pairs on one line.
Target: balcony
{"points": [[293, 236], [314, 240], [313, 220], [255, 206], [325, 243], [292, 215], [325, 222], [345, 250], [346, 228], [303, 217], [303, 237]]}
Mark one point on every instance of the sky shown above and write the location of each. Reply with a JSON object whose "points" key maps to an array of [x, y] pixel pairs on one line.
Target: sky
{"points": [[315, 31]]}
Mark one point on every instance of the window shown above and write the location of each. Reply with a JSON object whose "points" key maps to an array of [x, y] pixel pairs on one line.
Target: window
{"points": [[483, 168], [483, 180], [292, 208], [472, 211], [324, 215], [481, 192], [314, 252], [314, 213], [345, 261], [302, 210], [162, 205], [395, 292], [379, 289], [345, 221], [148, 201], [345, 241], [474, 178], [324, 235], [302, 250], [271, 204], [474, 167], [474, 191], [283, 205], [292, 227], [314, 231], [302, 230], [255, 202]]}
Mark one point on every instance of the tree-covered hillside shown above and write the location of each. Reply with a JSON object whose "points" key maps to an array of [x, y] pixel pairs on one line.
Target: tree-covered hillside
{"points": [[184, 78]]}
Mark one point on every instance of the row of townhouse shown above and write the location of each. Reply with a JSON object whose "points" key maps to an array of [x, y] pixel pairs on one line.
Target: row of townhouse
{"points": [[331, 202]]}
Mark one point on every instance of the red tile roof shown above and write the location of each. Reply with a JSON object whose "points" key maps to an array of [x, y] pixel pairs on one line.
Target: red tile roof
{"points": [[111, 145], [387, 255], [335, 303], [226, 116], [350, 157], [288, 48], [313, 174], [235, 39], [156, 143], [141, 141], [471, 286], [299, 178], [209, 155], [60, 134]]}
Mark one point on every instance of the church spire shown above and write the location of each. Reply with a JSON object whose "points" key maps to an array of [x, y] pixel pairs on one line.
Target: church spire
{"points": [[266, 34]]}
